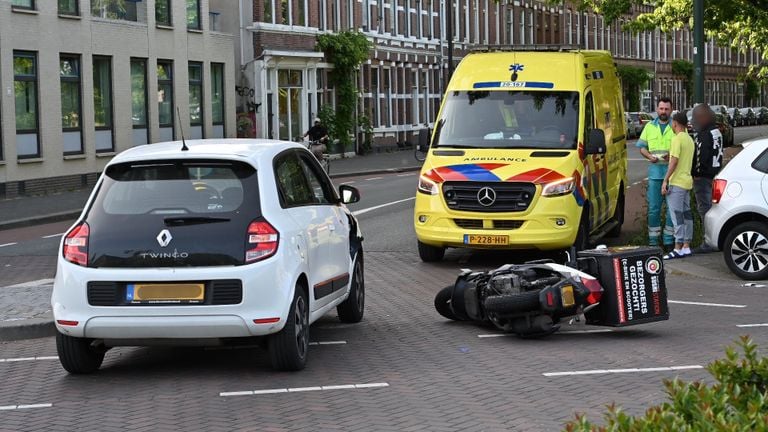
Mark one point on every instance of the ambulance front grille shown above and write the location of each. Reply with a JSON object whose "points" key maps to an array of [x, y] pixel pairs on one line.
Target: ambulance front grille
{"points": [[496, 197]]}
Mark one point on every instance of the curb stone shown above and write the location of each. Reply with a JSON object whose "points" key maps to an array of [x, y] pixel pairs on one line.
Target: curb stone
{"points": [[33, 328]]}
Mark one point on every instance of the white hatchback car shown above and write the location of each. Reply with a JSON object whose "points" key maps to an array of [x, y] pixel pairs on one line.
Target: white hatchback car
{"points": [[208, 243], [737, 223]]}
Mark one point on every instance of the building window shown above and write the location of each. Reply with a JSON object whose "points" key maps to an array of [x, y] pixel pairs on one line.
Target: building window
{"points": [[217, 99], [193, 15], [114, 9], [165, 99], [163, 12], [69, 7], [196, 99], [71, 104], [25, 86], [23, 4], [139, 102], [102, 103]]}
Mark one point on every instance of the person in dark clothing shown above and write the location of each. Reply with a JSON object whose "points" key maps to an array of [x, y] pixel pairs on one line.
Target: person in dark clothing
{"points": [[318, 136], [707, 159]]}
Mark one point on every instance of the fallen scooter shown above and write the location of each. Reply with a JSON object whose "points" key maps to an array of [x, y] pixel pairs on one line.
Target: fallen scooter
{"points": [[607, 286]]}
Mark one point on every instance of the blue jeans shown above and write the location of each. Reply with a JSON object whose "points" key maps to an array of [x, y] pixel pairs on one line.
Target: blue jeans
{"points": [[655, 201]]}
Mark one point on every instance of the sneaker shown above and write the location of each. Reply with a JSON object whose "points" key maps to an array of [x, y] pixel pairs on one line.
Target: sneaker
{"points": [[704, 249]]}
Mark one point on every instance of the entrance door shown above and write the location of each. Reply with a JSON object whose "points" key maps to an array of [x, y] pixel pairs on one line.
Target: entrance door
{"points": [[290, 90]]}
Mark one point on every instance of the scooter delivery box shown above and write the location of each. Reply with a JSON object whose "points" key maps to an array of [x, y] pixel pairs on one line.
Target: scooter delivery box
{"points": [[632, 277]]}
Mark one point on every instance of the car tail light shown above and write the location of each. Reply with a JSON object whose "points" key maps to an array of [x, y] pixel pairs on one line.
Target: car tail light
{"points": [[718, 187], [261, 241], [76, 245]]}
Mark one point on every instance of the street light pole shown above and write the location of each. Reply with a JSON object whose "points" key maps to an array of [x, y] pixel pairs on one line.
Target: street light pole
{"points": [[698, 51]]}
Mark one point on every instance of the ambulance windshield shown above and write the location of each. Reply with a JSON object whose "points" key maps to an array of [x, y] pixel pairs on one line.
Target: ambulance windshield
{"points": [[509, 119]]}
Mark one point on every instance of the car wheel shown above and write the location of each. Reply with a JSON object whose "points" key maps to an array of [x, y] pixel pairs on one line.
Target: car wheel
{"points": [[618, 216], [289, 347], [443, 303], [77, 355], [582, 237], [746, 250], [429, 253], [351, 310]]}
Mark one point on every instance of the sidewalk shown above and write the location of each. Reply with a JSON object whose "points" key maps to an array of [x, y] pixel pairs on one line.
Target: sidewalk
{"points": [[59, 206]]}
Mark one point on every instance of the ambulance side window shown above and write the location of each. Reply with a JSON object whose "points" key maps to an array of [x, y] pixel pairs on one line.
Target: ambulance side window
{"points": [[589, 116]]}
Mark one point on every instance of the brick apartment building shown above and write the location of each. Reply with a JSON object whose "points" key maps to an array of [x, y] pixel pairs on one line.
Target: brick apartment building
{"points": [[283, 80], [83, 80]]}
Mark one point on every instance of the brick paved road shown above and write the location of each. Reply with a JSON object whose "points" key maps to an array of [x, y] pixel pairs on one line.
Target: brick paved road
{"points": [[441, 376]]}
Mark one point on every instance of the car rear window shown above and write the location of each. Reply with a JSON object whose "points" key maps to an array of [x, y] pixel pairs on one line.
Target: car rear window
{"points": [[761, 162], [174, 187]]}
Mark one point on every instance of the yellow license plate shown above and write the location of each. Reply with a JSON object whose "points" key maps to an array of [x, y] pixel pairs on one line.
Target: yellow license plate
{"points": [[486, 240], [180, 292], [566, 293]]}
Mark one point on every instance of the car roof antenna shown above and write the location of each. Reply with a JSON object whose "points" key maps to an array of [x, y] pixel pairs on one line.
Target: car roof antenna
{"points": [[181, 129]]}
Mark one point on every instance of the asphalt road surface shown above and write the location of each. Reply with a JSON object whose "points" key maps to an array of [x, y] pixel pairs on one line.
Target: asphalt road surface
{"points": [[403, 368]]}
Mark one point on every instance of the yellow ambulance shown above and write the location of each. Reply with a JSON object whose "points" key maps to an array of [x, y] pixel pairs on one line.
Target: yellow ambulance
{"points": [[528, 152]]}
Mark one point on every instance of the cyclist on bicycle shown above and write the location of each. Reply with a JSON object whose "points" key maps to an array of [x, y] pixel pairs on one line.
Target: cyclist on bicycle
{"points": [[318, 136]]}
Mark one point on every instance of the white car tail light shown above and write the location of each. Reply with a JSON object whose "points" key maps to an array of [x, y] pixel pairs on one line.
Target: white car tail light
{"points": [[261, 241], [718, 188], [76, 245]]}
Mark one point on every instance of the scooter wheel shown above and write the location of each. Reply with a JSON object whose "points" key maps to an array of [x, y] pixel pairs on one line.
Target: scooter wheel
{"points": [[443, 305], [510, 304]]}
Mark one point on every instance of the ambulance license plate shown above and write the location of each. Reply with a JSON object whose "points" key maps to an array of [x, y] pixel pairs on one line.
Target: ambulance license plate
{"points": [[486, 240]]}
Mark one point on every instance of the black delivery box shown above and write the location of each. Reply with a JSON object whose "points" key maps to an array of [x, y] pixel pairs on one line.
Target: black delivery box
{"points": [[632, 277]]}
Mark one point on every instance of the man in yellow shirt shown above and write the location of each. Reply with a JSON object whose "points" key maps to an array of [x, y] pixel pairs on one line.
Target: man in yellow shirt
{"points": [[677, 186]]}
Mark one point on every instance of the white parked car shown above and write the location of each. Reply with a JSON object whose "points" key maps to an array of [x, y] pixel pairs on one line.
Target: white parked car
{"points": [[225, 240], [737, 224]]}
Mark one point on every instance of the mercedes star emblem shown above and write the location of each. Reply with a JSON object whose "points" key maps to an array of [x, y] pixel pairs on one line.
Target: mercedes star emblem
{"points": [[486, 196], [164, 238]]}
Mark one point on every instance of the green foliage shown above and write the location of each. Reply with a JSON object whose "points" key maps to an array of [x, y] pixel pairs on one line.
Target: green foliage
{"points": [[632, 79], [751, 92], [683, 69], [366, 128], [327, 117], [736, 402], [346, 50], [739, 24]]}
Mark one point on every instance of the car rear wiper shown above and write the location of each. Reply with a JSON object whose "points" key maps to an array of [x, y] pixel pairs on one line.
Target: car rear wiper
{"points": [[193, 220]]}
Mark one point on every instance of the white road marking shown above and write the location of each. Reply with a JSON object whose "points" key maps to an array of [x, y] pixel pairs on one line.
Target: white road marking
{"points": [[21, 359], [304, 389], [752, 325], [7, 244], [564, 332], [20, 407], [707, 304], [53, 235], [239, 347], [369, 209], [617, 371], [407, 174], [32, 284], [348, 182], [328, 343], [374, 178]]}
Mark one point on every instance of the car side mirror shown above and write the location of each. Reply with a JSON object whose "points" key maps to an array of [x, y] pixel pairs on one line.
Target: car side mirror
{"points": [[596, 144], [349, 194]]}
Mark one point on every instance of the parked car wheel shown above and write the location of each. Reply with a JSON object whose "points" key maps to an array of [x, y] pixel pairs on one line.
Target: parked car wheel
{"points": [[746, 250], [429, 253], [77, 355], [351, 310], [289, 347]]}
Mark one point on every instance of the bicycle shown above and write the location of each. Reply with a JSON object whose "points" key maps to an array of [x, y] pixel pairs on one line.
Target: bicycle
{"points": [[324, 159]]}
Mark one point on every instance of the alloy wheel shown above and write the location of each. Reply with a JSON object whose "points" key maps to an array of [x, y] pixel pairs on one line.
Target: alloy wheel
{"points": [[302, 326], [749, 251]]}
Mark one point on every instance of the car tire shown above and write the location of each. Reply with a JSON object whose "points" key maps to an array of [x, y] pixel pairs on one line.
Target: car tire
{"points": [[429, 253], [443, 303], [77, 356], [510, 304], [618, 216], [288, 348], [351, 310], [746, 250], [582, 237]]}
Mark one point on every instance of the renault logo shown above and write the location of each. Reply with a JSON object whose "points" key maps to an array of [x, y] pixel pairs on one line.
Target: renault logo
{"points": [[486, 196], [164, 238]]}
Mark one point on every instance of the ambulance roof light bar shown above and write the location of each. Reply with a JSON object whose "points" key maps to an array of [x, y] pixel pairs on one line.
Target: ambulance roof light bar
{"points": [[526, 47]]}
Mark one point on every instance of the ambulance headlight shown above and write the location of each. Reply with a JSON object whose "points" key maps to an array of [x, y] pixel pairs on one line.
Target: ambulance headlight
{"points": [[559, 187], [427, 186]]}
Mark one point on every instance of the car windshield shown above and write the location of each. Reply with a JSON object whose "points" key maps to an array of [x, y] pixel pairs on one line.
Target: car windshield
{"points": [[509, 119], [174, 188]]}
